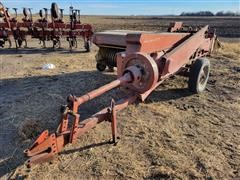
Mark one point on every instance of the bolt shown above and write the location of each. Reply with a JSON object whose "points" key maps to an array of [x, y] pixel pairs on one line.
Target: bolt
{"points": [[123, 55]]}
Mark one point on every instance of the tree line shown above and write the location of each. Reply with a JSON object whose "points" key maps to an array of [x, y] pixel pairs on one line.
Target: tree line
{"points": [[209, 13]]}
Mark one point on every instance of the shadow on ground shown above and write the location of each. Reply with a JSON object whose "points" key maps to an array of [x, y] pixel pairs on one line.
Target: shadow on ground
{"points": [[29, 50], [31, 105], [169, 94], [37, 100]]}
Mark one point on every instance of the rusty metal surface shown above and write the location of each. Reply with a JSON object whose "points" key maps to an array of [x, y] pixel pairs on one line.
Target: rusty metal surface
{"points": [[48, 145], [181, 55], [137, 41], [95, 93], [148, 42], [149, 70], [116, 38], [112, 42]]}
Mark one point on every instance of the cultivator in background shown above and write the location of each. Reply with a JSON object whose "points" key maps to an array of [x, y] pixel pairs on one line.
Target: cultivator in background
{"points": [[146, 60], [45, 28]]}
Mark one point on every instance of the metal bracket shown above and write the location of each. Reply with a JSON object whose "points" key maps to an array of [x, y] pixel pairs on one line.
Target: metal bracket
{"points": [[74, 130], [43, 149]]}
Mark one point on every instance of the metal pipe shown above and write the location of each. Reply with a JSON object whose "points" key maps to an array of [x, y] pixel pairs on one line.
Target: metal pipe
{"points": [[97, 92]]}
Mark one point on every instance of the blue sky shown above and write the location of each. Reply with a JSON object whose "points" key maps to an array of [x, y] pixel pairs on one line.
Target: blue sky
{"points": [[131, 7]]}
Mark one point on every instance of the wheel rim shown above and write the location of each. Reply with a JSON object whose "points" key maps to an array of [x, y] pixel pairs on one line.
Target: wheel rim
{"points": [[55, 10]]}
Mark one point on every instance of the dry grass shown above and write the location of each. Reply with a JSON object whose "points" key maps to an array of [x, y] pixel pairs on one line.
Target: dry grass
{"points": [[230, 50]]}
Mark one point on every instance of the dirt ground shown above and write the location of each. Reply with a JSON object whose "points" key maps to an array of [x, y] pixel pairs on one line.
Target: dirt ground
{"points": [[173, 134]]}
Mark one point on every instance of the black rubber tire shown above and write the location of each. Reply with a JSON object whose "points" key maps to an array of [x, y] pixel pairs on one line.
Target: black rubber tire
{"points": [[41, 13], [8, 13], [198, 75], [54, 10], [74, 16], [101, 66], [2, 43], [87, 46], [25, 12]]}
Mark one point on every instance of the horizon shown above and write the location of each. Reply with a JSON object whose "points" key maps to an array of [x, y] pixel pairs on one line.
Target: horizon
{"points": [[130, 8]]}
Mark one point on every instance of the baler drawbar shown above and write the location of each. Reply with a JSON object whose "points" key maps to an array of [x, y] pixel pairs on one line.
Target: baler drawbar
{"points": [[148, 59]]}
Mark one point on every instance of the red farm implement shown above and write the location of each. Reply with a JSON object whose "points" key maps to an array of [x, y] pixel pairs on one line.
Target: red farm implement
{"points": [[45, 28], [145, 61]]}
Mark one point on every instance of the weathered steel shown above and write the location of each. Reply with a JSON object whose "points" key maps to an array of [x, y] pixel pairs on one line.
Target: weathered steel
{"points": [[111, 42]]}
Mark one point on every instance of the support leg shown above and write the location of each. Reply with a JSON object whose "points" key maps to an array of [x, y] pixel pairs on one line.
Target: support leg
{"points": [[115, 136]]}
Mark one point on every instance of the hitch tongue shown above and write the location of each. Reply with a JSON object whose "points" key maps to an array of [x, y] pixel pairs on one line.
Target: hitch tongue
{"points": [[47, 146], [44, 148]]}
